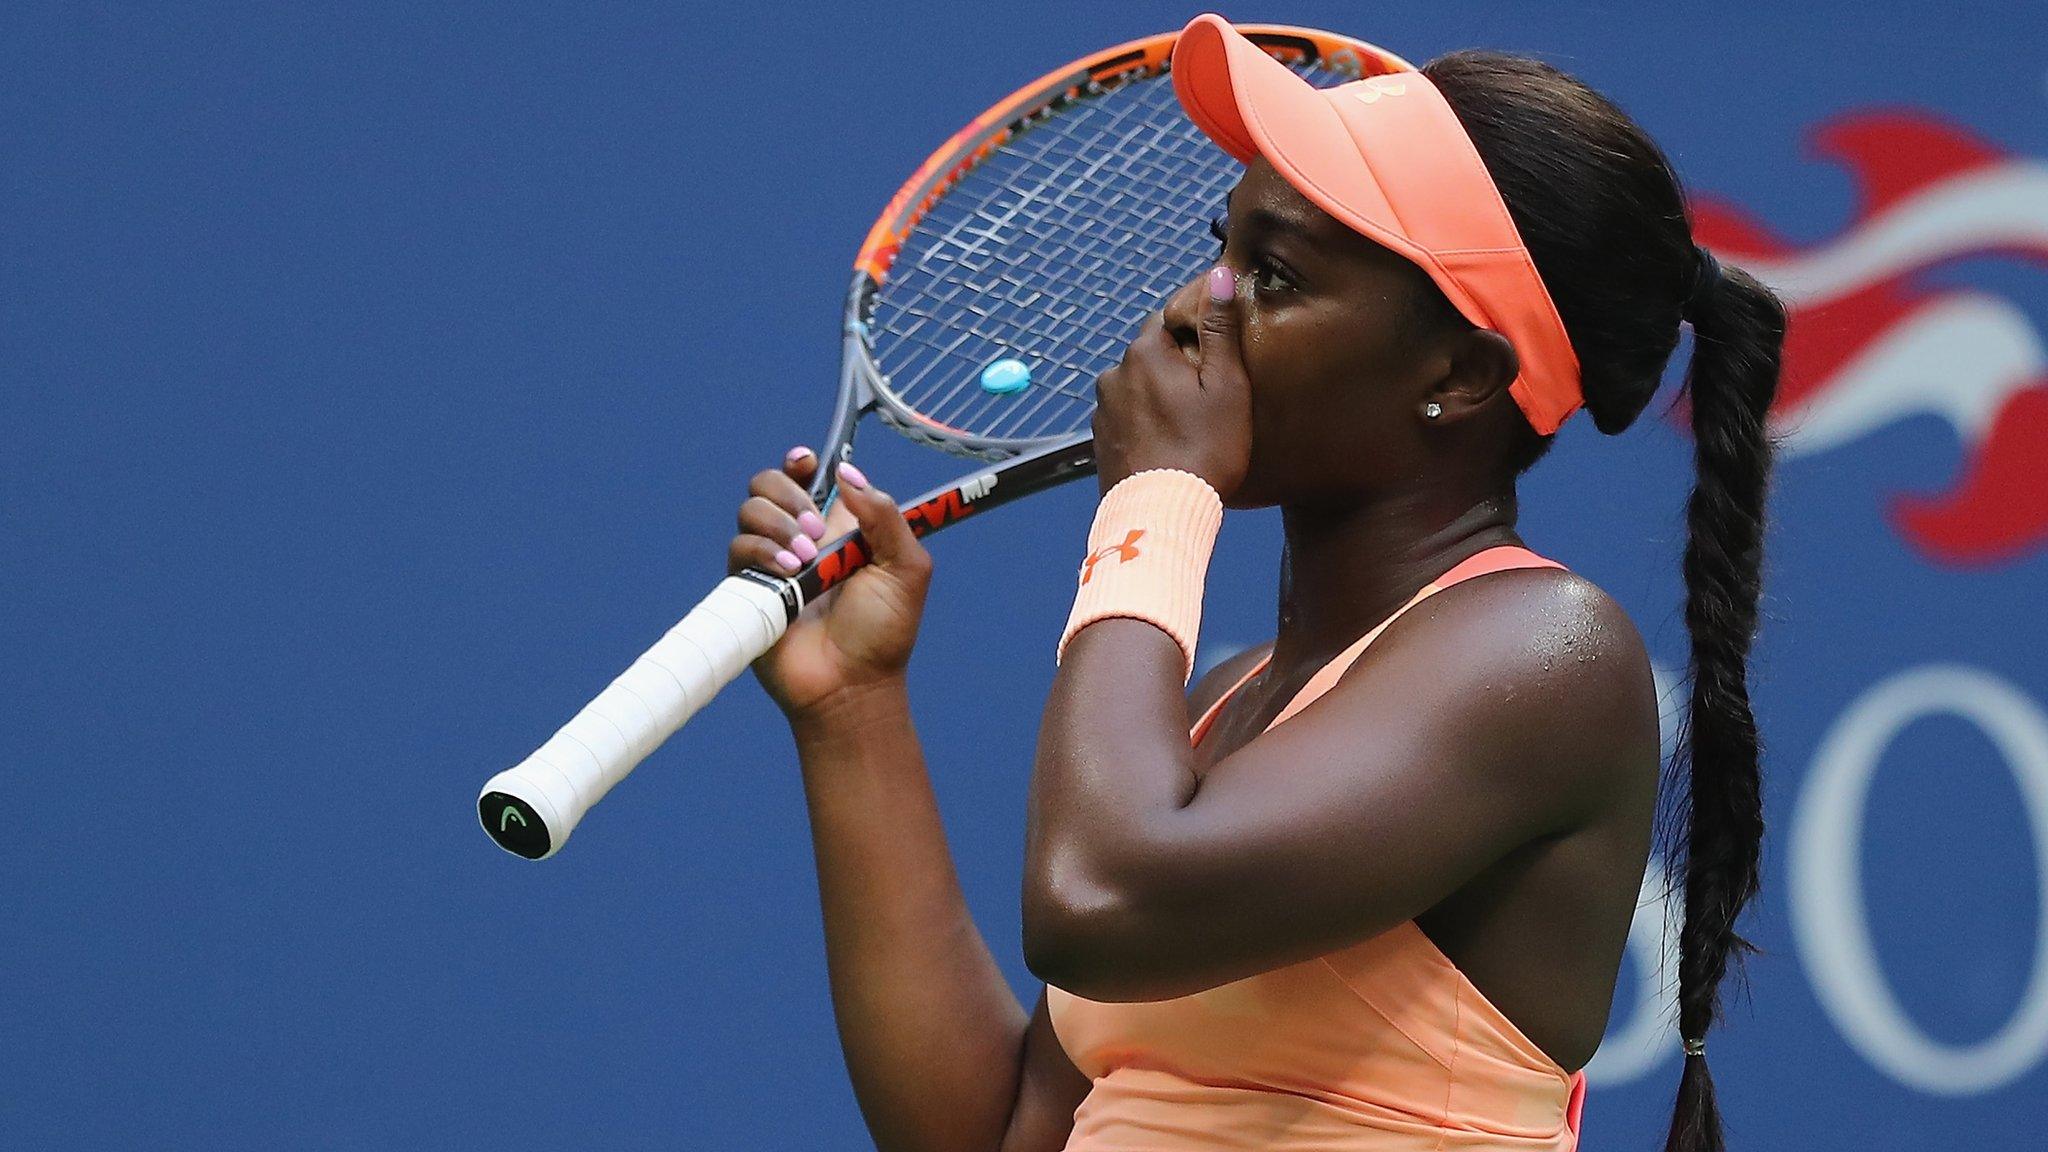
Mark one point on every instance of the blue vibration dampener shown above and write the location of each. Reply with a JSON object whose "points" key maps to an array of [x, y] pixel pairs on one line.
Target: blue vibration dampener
{"points": [[1005, 376]]}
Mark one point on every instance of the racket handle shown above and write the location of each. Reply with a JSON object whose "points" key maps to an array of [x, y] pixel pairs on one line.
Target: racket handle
{"points": [[530, 809]]}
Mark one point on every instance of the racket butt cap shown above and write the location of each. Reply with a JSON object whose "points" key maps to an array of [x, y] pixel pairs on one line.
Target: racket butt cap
{"points": [[520, 819]]}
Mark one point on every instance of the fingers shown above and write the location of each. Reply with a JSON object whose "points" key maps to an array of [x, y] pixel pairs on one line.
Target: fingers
{"points": [[751, 551], [1222, 349], [888, 535], [780, 529], [792, 489], [801, 465], [779, 525]]}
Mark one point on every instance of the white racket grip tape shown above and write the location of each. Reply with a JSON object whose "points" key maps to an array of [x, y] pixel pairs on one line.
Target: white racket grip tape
{"points": [[705, 651]]}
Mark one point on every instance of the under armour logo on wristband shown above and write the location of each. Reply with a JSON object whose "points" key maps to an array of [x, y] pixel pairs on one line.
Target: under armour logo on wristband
{"points": [[1124, 553]]}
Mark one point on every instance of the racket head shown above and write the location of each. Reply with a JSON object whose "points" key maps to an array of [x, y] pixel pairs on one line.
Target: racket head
{"points": [[1019, 260]]}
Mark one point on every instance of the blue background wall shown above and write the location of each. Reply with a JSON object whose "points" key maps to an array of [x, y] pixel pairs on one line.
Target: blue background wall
{"points": [[363, 389]]}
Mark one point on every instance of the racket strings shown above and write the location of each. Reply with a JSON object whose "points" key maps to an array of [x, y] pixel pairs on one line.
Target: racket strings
{"points": [[1051, 252], [1071, 273]]}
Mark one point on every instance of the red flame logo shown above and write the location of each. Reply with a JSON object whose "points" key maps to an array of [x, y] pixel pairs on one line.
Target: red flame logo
{"points": [[1866, 347]]}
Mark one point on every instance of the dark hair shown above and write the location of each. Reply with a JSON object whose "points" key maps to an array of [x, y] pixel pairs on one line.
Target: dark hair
{"points": [[1606, 222]]}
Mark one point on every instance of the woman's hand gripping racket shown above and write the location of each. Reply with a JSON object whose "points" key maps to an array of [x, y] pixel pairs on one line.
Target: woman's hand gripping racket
{"points": [[1007, 273]]}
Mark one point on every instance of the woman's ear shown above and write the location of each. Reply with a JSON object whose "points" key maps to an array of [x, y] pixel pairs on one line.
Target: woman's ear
{"points": [[1482, 366]]}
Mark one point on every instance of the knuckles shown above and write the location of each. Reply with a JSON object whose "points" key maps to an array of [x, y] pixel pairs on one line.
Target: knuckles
{"points": [[757, 514]]}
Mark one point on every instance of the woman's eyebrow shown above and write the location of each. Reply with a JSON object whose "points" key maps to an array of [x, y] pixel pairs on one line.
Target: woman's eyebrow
{"points": [[1270, 223]]}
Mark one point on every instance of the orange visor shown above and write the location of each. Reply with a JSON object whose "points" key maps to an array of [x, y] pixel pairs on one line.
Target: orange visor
{"points": [[1388, 157]]}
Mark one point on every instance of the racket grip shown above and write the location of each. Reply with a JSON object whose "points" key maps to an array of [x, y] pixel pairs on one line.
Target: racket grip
{"points": [[531, 808]]}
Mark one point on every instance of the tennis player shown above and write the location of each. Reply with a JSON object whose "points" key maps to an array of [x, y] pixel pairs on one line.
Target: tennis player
{"points": [[1367, 886]]}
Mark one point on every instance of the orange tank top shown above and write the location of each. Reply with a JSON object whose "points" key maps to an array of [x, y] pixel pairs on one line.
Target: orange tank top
{"points": [[1381, 1046]]}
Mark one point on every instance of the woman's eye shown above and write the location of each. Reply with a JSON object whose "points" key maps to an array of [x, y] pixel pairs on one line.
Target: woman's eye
{"points": [[1267, 274], [1266, 277]]}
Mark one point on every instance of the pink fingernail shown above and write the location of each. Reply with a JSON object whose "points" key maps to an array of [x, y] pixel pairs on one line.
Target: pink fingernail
{"points": [[852, 475], [787, 561], [812, 524], [804, 547], [1222, 285], [795, 454]]}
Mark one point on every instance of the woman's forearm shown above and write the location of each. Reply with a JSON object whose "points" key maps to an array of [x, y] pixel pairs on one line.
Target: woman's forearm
{"points": [[933, 1037], [1112, 763]]}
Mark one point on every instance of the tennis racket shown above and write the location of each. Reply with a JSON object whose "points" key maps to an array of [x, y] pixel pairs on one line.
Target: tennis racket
{"points": [[1005, 275]]}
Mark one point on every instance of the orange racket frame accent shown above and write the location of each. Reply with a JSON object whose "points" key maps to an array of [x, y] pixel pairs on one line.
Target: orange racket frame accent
{"points": [[1144, 57]]}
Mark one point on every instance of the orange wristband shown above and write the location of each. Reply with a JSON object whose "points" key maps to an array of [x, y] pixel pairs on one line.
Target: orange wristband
{"points": [[1148, 555]]}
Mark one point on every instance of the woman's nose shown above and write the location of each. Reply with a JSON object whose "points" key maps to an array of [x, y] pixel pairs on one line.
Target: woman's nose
{"points": [[1183, 313]]}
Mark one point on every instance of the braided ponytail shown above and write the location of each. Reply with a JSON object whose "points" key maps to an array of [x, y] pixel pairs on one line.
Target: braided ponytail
{"points": [[1605, 220], [1738, 333]]}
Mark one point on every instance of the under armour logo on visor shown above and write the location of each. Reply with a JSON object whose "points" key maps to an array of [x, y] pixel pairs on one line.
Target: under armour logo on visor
{"points": [[1124, 553], [1371, 90]]}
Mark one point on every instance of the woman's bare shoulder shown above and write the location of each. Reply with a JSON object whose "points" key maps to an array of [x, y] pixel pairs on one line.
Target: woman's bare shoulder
{"points": [[1543, 660]]}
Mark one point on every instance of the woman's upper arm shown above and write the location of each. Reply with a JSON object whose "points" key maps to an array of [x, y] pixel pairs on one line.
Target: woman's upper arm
{"points": [[1048, 1092], [1498, 714]]}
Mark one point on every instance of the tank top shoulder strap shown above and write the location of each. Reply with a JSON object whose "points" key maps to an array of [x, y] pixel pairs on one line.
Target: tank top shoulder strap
{"points": [[1208, 715], [1499, 559], [1502, 558]]}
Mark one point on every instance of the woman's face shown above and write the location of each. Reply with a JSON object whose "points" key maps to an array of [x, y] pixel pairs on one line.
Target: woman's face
{"points": [[1339, 367]]}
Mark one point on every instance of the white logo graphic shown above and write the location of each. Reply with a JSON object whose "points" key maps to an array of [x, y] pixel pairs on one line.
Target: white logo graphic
{"points": [[1829, 918], [1371, 90], [1828, 915]]}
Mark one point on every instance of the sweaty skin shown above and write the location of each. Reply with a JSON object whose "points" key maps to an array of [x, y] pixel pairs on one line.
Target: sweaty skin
{"points": [[1488, 768]]}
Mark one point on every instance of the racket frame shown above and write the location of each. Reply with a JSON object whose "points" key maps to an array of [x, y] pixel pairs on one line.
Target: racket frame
{"points": [[548, 803], [1023, 466]]}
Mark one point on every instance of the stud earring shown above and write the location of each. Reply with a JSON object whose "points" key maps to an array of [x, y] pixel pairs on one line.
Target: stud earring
{"points": [[1433, 410]]}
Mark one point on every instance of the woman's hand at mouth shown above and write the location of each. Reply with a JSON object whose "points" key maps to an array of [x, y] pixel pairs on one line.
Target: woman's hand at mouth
{"points": [[1160, 409]]}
